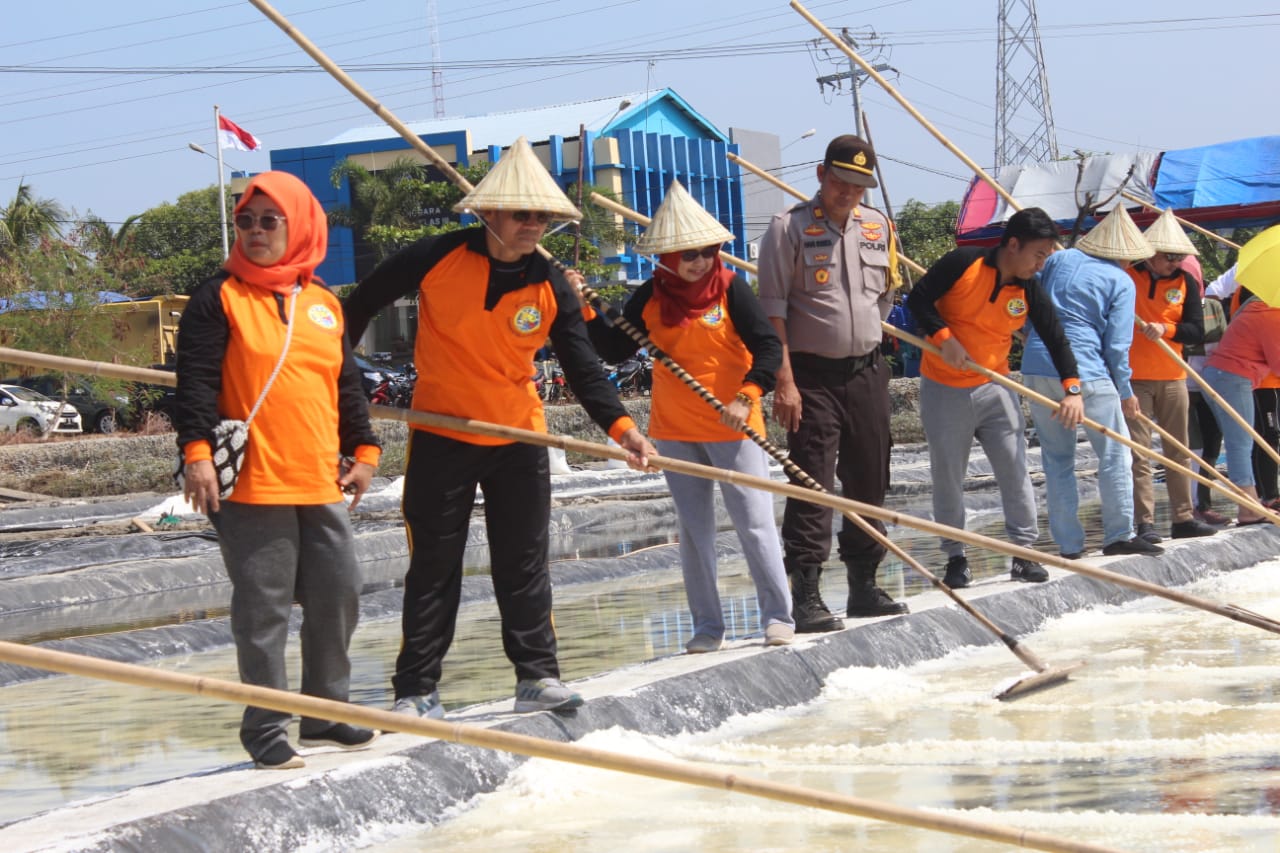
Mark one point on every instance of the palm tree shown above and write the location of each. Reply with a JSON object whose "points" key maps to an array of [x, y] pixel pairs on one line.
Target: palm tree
{"points": [[27, 222]]}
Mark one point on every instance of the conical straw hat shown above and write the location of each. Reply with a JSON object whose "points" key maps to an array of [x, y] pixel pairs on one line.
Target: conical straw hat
{"points": [[1166, 235], [681, 223], [519, 182], [1116, 238]]}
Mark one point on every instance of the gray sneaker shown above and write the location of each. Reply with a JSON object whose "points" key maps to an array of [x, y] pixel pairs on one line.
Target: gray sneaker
{"points": [[703, 643], [420, 706], [545, 694]]}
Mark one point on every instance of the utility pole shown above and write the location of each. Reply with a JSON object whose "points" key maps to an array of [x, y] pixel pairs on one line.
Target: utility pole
{"points": [[872, 48], [1022, 89]]}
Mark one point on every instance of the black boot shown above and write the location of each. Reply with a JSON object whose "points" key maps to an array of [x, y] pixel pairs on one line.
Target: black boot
{"points": [[807, 607], [867, 599]]}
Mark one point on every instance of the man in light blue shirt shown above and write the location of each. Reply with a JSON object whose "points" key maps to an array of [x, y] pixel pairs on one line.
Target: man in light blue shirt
{"points": [[1094, 300]]}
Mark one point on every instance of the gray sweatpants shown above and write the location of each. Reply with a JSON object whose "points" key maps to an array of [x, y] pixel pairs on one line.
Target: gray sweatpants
{"points": [[751, 511], [275, 555], [952, 418]]}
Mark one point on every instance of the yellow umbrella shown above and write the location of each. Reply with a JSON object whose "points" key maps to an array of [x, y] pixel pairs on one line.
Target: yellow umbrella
{"points": [[1258, 266]]}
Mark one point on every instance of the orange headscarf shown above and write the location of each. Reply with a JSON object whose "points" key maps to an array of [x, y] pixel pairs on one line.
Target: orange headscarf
{"points": [[308, 234]]}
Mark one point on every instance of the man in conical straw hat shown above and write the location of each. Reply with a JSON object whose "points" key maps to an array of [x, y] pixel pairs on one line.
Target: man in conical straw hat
{"points": [[709, 321], [1167, 299], [486, 303], [970, 303], [1094, 299], [826, 282]]}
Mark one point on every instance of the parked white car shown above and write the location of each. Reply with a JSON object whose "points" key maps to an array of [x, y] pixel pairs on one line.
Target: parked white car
{"points": [[24, 409]]}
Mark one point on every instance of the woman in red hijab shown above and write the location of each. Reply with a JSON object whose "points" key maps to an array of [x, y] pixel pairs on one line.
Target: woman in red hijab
{"points": [[710, 322], [263, 342]]}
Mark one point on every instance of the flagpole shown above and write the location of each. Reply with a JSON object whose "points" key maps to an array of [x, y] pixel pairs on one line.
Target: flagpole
{"points": [[222, 188]]}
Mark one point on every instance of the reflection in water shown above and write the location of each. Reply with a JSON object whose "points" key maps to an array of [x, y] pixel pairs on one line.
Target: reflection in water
{"points": [[1167, 741]]}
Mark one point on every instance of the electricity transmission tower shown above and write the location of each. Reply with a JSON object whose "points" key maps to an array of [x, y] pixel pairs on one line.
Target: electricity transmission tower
{"points": [[1022, 89], [437, 75]]}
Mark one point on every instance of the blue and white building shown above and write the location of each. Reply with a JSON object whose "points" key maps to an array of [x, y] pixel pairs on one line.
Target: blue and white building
{"points": [[634, 144]]}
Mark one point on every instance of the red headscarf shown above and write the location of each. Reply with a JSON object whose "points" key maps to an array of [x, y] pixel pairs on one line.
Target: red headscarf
{"points": [[680, 301], [308, 234]]}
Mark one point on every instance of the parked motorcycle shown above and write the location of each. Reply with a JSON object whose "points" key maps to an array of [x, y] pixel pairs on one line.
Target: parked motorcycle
{"points": [[548, 379], [633, 377]]}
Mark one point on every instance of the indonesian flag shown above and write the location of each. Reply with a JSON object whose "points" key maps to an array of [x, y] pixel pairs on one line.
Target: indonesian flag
{"points": [[232, 135]]}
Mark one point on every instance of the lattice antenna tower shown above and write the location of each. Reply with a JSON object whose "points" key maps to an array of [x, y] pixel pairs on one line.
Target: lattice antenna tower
{"points": [[1024, 116], [437, 75]]}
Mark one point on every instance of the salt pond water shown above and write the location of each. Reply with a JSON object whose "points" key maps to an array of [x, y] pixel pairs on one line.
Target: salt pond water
{"points": [[1169, 740]]}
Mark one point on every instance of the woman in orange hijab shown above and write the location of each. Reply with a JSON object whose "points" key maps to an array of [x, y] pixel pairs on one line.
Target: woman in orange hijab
{"points": [[264, 342]]}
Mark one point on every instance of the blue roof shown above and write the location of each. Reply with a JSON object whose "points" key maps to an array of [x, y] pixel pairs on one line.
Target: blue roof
{"points": [[662, 111], [34, 300]]}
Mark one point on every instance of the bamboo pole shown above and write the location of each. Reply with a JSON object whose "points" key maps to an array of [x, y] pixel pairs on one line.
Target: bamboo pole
{"points": [[487, 738], [1235, 496], [86, 367], [800, 493], [1194, 227], [787, 188], [836, 502], [995, 185], [1170, 439]]}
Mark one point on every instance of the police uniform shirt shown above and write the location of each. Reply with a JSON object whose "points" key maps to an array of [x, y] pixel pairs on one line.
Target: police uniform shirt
{"points": [[830, 288]]}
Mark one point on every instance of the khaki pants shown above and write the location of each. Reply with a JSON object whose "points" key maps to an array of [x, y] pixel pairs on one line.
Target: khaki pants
{"points": [[1165, 402]]}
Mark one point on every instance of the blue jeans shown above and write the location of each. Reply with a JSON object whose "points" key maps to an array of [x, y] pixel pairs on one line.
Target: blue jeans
{"points": [[1238, 392], [1058, 458]]}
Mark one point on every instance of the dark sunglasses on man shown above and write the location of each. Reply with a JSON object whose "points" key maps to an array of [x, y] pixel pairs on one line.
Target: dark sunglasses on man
{"points": [[522, 216], [267, 221], [691, 255]]}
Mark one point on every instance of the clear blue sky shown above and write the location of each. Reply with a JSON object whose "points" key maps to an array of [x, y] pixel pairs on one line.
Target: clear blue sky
{"points": [[1123, 76]]}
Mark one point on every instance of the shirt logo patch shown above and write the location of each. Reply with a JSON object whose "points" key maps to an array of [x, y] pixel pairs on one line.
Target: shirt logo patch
{"points": [[1016, 306], [527, 319], [714, 318], [1173, 295], [322, 317], [821, 276], [871, 234], [873, 227], [815, 230]]}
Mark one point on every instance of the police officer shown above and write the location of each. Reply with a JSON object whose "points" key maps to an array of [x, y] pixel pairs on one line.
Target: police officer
{"points": [[826, 272]]}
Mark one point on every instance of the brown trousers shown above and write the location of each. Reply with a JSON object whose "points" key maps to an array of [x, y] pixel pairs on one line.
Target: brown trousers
{"points": [[1165, 402]]}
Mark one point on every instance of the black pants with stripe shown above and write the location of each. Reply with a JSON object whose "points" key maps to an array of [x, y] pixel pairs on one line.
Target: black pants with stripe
{"points": [[440, 482], [844, 431]]}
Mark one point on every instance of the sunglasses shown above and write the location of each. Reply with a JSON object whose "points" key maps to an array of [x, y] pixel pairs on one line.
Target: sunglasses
{"points": [[522, 216], [691, 255], [1172, 258], [267, 221]]}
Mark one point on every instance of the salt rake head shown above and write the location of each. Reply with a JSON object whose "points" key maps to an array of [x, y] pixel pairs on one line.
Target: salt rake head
{"points": [[1043, 680]]}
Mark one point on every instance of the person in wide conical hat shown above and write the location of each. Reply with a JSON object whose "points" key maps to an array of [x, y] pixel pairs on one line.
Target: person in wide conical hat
{"points": [[1168, 305], [1094, 299], [1116, 238], [712, 324], [681, 223], [1166, 235], [487, 303], [519, 182]]}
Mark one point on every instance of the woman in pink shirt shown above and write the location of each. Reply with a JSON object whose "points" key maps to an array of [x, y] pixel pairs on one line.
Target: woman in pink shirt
{"points": [[1249, 350]]}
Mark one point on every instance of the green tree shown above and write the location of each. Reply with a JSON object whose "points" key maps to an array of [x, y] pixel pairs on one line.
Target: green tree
{"points": [[26, 222], [927, 231], [179, 242], [1215, 256]]}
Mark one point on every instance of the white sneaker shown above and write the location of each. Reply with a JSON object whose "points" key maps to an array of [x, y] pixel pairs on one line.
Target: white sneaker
{"points": [[778, 634]]}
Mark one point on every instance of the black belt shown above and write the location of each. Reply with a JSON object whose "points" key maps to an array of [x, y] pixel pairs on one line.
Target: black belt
{"points": [[842, 367]]}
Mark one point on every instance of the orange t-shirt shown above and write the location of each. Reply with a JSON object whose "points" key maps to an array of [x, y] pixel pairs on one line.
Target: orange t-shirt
{"points": [[1157, 301]]}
